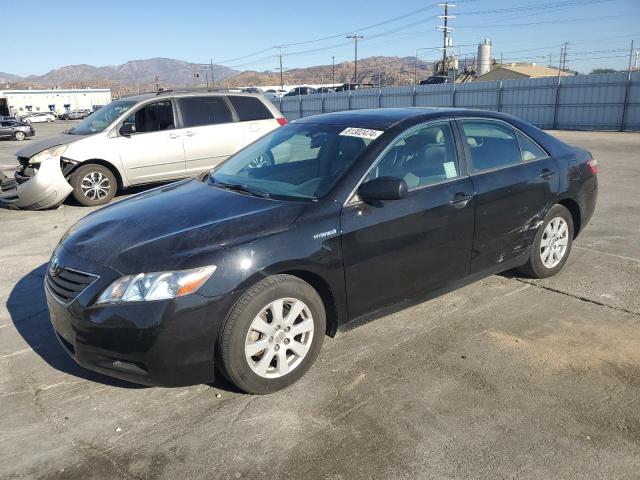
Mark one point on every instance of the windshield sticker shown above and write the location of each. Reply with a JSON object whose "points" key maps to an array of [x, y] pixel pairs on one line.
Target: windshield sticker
{"points": [[361, 133]]}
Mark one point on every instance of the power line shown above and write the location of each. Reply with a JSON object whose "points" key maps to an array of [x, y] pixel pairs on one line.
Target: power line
{"points": [[547, 22]]}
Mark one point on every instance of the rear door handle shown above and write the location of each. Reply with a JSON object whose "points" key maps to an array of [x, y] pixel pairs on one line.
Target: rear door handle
{"points": [[460, 200], [173, 135], [546, 173], [190, 133]]}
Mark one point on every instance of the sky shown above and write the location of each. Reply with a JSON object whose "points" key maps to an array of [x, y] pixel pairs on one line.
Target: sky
{"points": [[42, 35]]}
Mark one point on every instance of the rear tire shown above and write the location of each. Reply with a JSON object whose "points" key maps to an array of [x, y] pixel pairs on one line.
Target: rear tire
{"points": [[93, 185], [19, 136], [263, 351], [551, 245]]}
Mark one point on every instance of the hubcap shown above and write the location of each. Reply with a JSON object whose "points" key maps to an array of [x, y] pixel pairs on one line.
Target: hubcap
{"points": [[20, 135], [555, 240], [258, 162], [95, 186], [279, 338]]}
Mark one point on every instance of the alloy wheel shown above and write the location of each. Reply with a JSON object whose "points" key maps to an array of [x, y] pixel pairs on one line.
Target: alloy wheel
{"points": [[95, 186], [20, 136], [279, 338], [554, 242]]}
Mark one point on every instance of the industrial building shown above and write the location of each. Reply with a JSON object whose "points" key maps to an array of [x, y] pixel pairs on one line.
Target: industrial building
{"points": [[516, 71], [19, 102]]}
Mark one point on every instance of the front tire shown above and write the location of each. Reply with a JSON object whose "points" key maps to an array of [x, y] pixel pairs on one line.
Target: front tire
{"points": [[551, 245], [19, 136], [272, 335], [93, 185]]}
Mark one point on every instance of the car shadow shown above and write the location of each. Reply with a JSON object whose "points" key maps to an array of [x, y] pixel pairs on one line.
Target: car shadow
{"points": [[27, 308]]}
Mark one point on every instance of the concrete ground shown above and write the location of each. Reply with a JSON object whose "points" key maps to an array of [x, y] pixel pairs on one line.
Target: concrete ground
{"points": [[506, 378]]}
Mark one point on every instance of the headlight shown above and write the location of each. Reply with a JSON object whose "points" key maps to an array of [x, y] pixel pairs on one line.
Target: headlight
{"points": [[145, 287], [47, 154]]}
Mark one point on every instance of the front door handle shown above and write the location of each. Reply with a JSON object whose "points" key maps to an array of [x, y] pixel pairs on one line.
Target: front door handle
{"points": [[546, 173], [174, 135], [190, 133], [460, 200]]}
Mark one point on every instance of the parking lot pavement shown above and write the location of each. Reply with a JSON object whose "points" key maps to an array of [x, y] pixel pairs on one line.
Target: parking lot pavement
{"points": [[506, 378], [8, 147]]}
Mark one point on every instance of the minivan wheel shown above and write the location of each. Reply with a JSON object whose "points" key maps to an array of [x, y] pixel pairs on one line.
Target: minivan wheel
{"points": [[93, 185], [19, 136], [552, 244], [272, 335]]}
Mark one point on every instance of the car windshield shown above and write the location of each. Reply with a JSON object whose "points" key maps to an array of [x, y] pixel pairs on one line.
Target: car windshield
{"points": [[298, 162], [102, 118]]}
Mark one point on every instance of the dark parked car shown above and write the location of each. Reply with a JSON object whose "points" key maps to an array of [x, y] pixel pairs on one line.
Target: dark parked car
{"points": [[245, 269], [16, 130], [300, 91], [435, 80]]}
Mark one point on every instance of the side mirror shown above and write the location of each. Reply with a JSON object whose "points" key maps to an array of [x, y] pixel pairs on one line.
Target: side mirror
{"points": [[383, 188], [127, 130]]}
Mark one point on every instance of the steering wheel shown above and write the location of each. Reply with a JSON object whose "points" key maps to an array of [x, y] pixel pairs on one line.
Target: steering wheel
{"points": [[263, 160]]}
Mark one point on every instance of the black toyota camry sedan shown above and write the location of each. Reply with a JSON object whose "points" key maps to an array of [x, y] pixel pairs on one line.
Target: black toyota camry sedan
{"points": [[244, 269]]}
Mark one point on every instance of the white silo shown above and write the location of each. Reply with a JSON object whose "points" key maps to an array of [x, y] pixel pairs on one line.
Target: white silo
{"points": [[484, 57]]}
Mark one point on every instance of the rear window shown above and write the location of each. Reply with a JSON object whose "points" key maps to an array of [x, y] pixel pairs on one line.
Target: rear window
{"points": [[198, 111], [250, 108]]}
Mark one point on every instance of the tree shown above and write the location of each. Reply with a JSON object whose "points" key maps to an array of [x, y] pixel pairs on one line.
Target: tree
{"points": [[596, 71]]}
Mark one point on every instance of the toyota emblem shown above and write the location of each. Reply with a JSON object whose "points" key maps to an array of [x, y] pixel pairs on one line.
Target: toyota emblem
{"points": [[53, 266]]}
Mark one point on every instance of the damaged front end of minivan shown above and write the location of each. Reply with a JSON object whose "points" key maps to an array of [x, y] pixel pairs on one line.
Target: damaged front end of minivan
{"points": [[39, 182]]}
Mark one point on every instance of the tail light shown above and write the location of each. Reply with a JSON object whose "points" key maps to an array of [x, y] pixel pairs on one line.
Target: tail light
{"points": [[281, 121], [592, 165]]}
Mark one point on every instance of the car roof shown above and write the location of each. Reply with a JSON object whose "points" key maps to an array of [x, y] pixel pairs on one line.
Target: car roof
{"points": [[385, 118], [189, 93]]}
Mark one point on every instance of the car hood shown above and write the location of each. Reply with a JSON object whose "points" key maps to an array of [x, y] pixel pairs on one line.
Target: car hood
{"points": [[40, 145], [161, 229]]}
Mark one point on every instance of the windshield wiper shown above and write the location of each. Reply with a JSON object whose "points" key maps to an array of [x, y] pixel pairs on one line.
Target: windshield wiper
{"points": [[237, 187]]}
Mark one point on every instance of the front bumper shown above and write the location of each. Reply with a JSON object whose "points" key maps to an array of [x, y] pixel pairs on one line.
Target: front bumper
{"points": [[162, 343], [46, 189]]}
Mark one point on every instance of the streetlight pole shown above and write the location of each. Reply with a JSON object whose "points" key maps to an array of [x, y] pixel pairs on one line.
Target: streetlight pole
{"points": [[355, 64]]}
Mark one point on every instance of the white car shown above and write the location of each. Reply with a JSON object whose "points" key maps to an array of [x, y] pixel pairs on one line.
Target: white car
{"points": [[147, 138], [39, 117]]}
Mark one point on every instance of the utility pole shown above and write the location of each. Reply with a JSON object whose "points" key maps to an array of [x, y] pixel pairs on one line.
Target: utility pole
{"points": [[355, 64], [157, 84], [446, 29], [564, 56], [281, 78], [333, 70], [213, 77], [630, 57]]}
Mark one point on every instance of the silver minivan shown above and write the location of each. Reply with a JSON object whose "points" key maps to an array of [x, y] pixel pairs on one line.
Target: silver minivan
{"points": [[136, 140]]}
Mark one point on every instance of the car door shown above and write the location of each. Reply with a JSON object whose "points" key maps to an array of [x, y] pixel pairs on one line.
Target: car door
{"points": [[154, 151], [209, 130], [5, 129], [395, 250], [255, 118], [514, 181]]}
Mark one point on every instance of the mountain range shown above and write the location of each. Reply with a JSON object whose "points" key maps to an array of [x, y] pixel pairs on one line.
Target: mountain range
{"points": [[142, 75]]}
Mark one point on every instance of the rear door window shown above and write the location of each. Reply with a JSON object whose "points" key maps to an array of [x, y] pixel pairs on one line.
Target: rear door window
{"points": [[491, 144], [200, 111], [250, 108]]}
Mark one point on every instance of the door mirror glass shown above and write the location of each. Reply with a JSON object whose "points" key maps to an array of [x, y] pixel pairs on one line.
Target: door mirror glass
{"points": [[127, 129], [383, 188]]}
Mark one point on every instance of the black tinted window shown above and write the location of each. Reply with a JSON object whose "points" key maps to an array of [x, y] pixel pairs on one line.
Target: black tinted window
{"points": [[197, 111], [492, 144], [152, 117], [423, 156], [250, 108]]}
